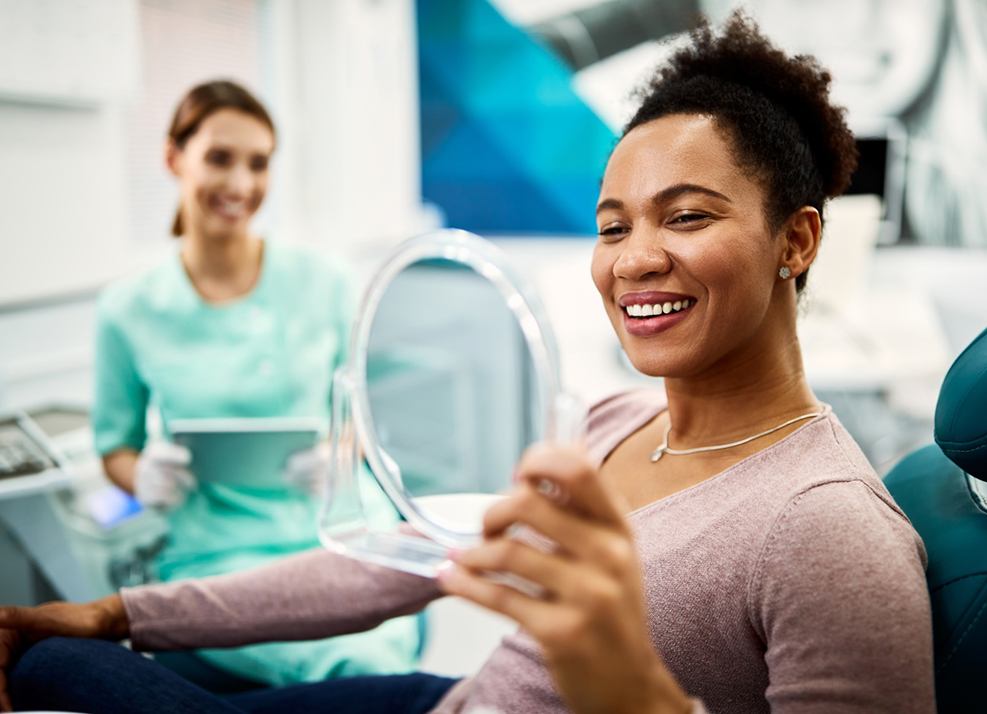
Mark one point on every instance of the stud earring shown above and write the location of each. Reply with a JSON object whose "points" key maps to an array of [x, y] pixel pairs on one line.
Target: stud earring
{"points": [[784, 273]]}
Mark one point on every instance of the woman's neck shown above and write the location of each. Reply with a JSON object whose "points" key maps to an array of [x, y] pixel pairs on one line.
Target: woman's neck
{"points": [[755, 391], [222, 269]]}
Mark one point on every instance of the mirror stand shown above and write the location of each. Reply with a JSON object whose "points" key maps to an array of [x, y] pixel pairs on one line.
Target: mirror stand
{"points": [[481, 356], [345, 527]]}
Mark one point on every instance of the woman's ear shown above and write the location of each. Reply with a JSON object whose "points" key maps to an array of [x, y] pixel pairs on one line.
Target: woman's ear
{"points": [[173, 158], [803, 231]]}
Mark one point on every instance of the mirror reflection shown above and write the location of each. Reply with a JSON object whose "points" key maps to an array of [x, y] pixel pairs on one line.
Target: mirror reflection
{"points": [[451, 389]]}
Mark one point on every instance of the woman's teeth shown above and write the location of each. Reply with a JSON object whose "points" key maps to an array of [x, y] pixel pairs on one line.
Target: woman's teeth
{"points": [[662, 308], [233, 209]]}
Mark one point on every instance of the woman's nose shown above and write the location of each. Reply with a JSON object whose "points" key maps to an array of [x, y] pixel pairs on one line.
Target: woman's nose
{"points": [[240, 180], [642, 255]]}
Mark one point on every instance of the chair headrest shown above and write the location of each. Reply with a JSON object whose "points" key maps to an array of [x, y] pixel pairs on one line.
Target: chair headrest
{"points": [[961, 413]]}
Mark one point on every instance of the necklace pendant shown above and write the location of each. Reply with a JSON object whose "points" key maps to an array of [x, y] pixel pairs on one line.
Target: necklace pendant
{"points": [[658, 453]]}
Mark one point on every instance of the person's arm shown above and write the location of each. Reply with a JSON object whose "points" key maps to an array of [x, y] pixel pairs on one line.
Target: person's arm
{"points": [[307, 596], [120, 466], [155, 473], [840, 599], [20, 627], [587, 612], [119, 402]]}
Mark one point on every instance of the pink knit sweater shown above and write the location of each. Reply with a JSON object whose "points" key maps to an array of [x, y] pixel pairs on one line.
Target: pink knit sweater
{"points": [[790, 582]]}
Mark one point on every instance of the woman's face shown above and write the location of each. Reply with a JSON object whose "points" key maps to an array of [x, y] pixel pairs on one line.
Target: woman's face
{"points": [[683, 236], [222, 172]]}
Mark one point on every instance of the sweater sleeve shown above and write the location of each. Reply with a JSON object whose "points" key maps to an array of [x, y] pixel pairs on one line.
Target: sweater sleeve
{"points": [[840, 599], [308, 596]]}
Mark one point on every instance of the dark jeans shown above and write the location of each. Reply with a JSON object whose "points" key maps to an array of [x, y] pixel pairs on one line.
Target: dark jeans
{"points": [[103, 678]]}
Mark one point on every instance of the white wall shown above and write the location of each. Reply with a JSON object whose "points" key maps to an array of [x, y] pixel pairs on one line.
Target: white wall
{"points": [[86, 197], [63, 224], [85, 194], [343, 78], [66, 71]]}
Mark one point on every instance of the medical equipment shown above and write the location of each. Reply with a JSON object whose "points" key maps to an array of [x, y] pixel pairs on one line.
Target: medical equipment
{"points": [[83, 535], [31, 468], [941, 489], [24, 453]]}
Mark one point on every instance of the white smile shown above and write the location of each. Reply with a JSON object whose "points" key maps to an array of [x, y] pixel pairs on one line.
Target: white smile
{"points": [[663, 308], [232, 209]]}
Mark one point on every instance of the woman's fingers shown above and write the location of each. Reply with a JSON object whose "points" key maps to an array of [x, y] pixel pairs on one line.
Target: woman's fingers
{"points": [[11, 644], [62, 618], [526, 609], [556, 578], [12, 641], [507, 555], [43, 620], [572, 481], [18, 618], [607, 546]]}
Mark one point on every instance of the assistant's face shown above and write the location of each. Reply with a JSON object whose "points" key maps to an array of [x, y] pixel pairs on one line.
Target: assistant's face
{"points": [[223, 172], [685, 261]]}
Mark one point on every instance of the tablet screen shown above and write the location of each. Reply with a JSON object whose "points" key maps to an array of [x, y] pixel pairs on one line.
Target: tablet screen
{"points": [[247, 453]]}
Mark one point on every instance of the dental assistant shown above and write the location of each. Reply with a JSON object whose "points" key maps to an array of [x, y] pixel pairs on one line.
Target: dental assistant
{"points": [[230, 326]]}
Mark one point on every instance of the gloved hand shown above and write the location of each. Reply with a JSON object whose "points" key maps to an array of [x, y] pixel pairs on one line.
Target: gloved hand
{"points": [[308, 470], [162, 479]]}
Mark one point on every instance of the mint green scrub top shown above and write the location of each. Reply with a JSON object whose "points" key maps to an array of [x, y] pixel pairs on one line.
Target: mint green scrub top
{"points": [[269, 354]]}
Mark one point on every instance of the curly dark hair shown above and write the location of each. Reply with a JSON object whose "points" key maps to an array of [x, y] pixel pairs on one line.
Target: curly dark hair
{"points": [[775, 108]]}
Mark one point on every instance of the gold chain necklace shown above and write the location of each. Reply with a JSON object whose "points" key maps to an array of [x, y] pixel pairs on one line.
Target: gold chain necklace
{"points": [[664, 448]]}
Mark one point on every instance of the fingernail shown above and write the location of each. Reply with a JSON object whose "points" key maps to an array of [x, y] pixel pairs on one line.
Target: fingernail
{"points": [[549, 489], [444, 571]]}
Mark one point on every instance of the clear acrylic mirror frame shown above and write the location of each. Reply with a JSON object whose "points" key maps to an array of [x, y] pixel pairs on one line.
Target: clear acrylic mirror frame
{"points": [[344, 527]]}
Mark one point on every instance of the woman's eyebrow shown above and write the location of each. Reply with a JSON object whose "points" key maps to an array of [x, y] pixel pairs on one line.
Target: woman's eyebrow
{"points": [[679, 189], [233, 147], [665, 195], [609, 203]]}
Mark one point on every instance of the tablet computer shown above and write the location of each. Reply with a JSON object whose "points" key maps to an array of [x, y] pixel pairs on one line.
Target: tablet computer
{"points": [[247, 452]]}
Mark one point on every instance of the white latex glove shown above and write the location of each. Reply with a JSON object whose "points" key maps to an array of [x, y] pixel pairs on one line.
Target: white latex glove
{"points": [[162, 478], [308, 470]]}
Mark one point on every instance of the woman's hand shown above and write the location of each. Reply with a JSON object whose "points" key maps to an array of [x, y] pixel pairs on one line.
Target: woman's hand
{"points": [[590, 617], [20, 627], [308, 470], [161, 475]]}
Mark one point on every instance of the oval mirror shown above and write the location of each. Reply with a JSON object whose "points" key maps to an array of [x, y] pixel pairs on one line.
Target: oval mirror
{"points": [[452, 374]]}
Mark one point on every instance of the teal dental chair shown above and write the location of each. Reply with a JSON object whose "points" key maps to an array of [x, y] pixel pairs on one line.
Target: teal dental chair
{"points": [[943, 489]]}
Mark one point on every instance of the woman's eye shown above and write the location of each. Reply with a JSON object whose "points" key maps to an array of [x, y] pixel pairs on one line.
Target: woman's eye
{"points": [[258, 163], [612, 231], [689, 218], [219, 158]]}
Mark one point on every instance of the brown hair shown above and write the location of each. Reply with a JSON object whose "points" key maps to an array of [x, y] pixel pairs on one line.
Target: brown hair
{"points": [[200, 102]]}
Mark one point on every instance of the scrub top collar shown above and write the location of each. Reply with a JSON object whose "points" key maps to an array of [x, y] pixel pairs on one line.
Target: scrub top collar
{"points": [[253, 295]]}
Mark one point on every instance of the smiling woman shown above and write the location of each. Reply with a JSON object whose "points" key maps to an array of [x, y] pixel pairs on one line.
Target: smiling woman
{"points": [[757, 564], [219, 146], [232, 326]]}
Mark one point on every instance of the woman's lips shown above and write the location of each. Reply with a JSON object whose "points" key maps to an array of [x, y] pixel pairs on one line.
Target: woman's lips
{"points": [[648, 313], [651, 297], [231, 210], [647, 326]]}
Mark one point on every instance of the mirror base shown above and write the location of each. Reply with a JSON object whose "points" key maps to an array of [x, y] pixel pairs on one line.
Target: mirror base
{"points": [[410, 554]]}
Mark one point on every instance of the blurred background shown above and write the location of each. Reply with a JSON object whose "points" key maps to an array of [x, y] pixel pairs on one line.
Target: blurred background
{"points": [[496, 116]]}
